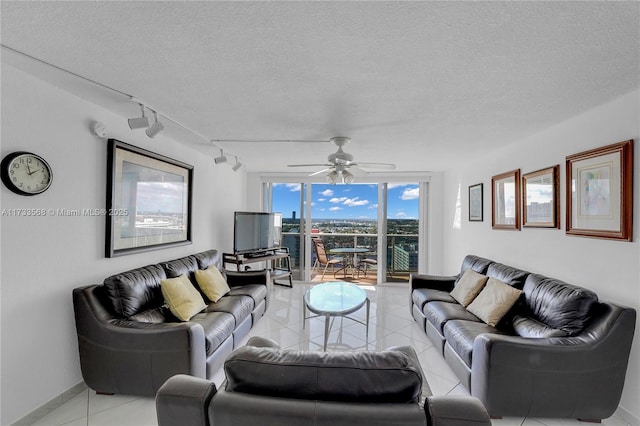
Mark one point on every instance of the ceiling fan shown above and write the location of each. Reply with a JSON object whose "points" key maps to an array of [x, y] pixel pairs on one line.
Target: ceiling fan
{"points": [[339, 162]]}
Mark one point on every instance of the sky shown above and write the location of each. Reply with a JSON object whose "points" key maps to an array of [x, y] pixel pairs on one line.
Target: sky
{"points": [[351, 201]]}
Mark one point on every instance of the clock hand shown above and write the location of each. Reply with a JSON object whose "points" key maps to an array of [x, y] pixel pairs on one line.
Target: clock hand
{"points": [[35, 171]]}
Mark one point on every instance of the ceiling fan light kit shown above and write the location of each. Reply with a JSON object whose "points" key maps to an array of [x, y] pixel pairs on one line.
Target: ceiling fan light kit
{"points": [[338, 163]]}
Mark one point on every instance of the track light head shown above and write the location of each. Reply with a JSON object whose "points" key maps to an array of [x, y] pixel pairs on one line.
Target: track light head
{"points": [[155, 128], [237, 165], [139, 122], [347, 177], [221, 159]]}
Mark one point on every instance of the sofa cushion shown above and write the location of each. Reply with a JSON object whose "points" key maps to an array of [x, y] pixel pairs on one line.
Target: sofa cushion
{"points": [[258, 292], [208, 258], [438, 313], [212, 283], [183, 299], [530, 328], [494, 301], [420, 296], [183, 266], [238, 306], [157, 315], [136, 290], [460, 335], [507, 274], [478, 264], [218, 326], [391, 376], [557, 304], [468, 287]]}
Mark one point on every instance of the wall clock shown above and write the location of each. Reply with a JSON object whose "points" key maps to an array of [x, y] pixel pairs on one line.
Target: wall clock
{"points": [[26, 173]]}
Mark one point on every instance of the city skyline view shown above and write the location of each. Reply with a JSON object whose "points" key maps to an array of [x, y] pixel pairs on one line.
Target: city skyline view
{"points": [[350, 201]]}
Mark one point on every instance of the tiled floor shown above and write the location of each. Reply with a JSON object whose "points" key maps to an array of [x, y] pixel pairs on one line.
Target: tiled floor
{"points": [[391, 324]]}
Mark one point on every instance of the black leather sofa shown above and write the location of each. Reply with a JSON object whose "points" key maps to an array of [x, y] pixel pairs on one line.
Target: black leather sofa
{"points": [[130, 342], [269, 386], [575, 365]]}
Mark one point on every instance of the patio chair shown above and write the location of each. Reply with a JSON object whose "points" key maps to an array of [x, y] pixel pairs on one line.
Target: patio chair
{"points": [[323, 259]]}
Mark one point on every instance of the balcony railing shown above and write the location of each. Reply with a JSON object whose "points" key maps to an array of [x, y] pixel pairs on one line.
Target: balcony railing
{"points": [[401, 251]]}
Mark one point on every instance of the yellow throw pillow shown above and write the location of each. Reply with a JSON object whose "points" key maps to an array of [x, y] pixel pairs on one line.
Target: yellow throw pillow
{"points": [[181, 296], [494, 301], [468, 287], [212, 283]]}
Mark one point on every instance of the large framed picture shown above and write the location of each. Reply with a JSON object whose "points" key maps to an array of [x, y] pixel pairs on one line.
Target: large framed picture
{"points": [[540, 201], [148, 200], [505, 200], [475, 203], [600, 192]]}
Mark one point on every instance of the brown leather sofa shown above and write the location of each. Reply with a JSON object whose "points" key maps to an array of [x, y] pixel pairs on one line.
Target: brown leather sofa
{"points": [[129, 341], [269, 386], [559, 352]]}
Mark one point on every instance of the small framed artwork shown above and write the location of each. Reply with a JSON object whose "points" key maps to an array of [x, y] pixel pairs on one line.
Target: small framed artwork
{"points": [[475, 203], [505, 200], [540, 201], [600, 192], [148, 200]]}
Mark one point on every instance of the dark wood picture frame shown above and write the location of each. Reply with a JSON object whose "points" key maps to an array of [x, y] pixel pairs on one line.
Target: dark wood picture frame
{"points": [[476, 203], [600, 192], [543, 187], [148, 200], [505, 201]]}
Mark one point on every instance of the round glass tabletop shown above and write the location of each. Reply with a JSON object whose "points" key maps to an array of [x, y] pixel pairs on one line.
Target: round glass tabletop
{"points": [[335, 298]]}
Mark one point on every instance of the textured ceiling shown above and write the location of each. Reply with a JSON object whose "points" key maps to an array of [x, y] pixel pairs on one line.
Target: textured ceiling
{"points": [[413, 83]]}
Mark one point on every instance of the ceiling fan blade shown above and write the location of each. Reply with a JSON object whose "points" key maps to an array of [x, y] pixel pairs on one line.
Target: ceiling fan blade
{"points": [[309, 165], [321, 171], [384, 166]]}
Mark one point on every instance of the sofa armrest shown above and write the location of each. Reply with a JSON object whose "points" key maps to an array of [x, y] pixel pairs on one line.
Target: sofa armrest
{"points": [[435, 282], [262, 342], [240, 278], [455, 411], [555, 375], [121, 356], [184, 400]]}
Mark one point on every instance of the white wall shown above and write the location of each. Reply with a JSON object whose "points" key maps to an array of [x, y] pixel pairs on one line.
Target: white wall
{"points": [[44, 258], [610, 268]]}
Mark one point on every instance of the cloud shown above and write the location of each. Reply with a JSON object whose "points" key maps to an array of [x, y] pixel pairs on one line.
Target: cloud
{"points": [[335, 209], [395, 185], [338, 200], [322, 199], [353, 202], [401, 214], [327, 193], [410, 194]]}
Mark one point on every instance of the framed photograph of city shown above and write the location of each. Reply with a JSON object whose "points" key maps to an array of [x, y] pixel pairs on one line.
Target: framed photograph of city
{"points": [[540, 201], [600, 192], [505, 200], [148, 200], [475, 203]]}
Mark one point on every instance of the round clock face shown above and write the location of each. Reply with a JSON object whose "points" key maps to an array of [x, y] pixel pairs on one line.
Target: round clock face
{"points": [[25, 173]]}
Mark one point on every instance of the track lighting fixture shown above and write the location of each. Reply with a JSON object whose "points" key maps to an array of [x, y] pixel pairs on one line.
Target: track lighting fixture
{"points": [[155, 128], [237, 165], [139, 122], [221, 159]]}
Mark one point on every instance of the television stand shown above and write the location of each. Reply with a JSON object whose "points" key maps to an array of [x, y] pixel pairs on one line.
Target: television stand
{"points": [[279, 263]]}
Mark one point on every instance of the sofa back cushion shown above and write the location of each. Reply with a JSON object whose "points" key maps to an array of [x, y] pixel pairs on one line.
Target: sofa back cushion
{"points": [[135, 291], [208, 258], [183, 266], [557, 304], [391, 376], [476, 263], [507, 274]]}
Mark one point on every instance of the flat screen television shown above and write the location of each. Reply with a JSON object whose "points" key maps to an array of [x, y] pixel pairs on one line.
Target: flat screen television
{"points": [[255, 232]]}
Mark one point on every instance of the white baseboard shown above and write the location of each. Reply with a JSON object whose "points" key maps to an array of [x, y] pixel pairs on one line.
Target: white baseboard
{"points": [[626, 416], [48, 407]]}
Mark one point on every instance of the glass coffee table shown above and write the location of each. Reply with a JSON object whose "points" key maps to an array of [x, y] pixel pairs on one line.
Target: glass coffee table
{"points": [[334, 299]]}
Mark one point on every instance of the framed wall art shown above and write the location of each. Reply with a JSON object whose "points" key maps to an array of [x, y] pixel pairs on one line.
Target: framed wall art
{"points": [[148, 200], [600, 192], [475, 203], [505, 200], [540, 201]]}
